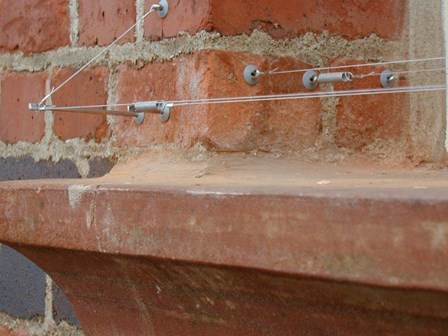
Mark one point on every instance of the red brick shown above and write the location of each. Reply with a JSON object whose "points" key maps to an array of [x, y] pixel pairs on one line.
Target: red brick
{"points": [[349, 18], [362, 120], [102, 21], [33, 25], [288, 124], [16, 332], [226, 127], [186, 16], [88, 88], [17, 123]]}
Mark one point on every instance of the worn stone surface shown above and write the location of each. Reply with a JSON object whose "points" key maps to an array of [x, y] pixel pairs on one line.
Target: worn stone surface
{"points": [[101, 22], [296, 224], [17, 122], [89, 88], [33, 26], [144, 296], [349, 18]]}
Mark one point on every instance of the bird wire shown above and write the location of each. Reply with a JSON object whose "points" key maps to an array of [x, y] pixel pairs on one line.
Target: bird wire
{"points": [[243, 99], [97, 56], [279, 72], [258, 98]]}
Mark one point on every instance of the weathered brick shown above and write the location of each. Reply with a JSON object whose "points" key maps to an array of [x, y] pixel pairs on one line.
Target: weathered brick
{"points": [[88, 88], [186, 16], [224, 127], [17, 123], [13, 332], [349, 18], [102, 21], [33, 25], [172, 80], [362, 120], [287, 124]]}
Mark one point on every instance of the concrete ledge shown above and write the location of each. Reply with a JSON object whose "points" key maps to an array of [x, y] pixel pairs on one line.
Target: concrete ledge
{"points": [[240, 250]]}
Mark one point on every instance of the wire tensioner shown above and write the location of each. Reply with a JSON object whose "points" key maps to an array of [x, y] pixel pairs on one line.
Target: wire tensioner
{"points": [[311, 79], [150, 106], [136, 110]]}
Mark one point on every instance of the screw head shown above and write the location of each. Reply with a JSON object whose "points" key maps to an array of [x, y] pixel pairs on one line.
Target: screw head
{"points": [[310, 79], [251, 74], [165, 7], [140, 118]]}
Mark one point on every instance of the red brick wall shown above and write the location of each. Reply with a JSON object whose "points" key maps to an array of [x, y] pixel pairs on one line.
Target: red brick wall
{"points": [[37, 33]]}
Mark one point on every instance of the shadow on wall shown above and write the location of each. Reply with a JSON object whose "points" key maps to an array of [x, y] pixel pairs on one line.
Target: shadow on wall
{"points": [[22, 283]]}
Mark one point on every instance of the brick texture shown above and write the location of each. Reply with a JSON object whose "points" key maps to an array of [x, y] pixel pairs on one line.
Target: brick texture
{"points": [[17, 123], [102, 21], [88, 88], [227, 127], [349, 18], [187, 16], [362, 120], [33, 25], [15, 332]]}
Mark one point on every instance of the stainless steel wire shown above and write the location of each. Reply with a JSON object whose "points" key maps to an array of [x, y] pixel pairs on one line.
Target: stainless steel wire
{"points": [[101, 109], [97, 56], [279, 72]]}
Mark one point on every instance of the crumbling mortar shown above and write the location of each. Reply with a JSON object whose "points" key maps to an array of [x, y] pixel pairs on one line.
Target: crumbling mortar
{"points": [[311, 47], [112, 91], [74, 22], [49, 323], [328, 116], [140, 11]]}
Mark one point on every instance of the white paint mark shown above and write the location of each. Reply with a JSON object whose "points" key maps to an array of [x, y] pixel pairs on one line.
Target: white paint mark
{"points": [[75, 193], [439, 236], [90, 215], [216, 193], [230, 304], [438, 232]]}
